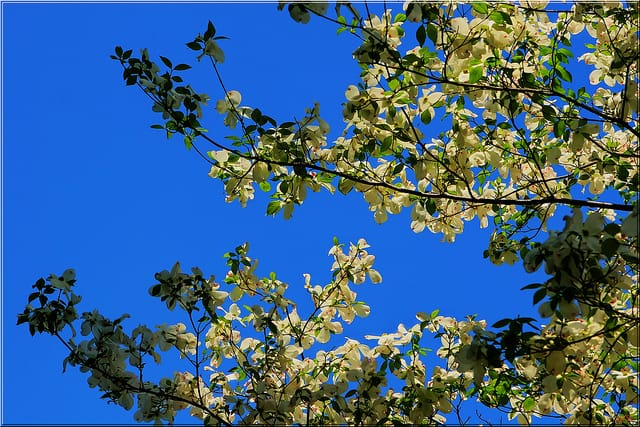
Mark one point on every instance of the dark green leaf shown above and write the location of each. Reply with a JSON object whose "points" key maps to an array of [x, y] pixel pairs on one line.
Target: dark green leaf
{"points": [[617, 63], [421, 35], [539, 295], [166, 61], [612, 229], [610, 246], [432, 32], [501, 323], [256, 115], [564, 74], [194, 45], [425, 117], [549, 112], [211, 31], [299, 13], [345, 185], [431, 207]]}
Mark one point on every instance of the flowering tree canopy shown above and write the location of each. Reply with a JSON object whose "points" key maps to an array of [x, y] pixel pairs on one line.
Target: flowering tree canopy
{"points": [[519, 140]]}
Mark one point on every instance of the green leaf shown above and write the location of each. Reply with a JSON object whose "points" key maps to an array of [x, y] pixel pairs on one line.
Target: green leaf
{"points": [[539, 295], [611, 323], [272, 327], [612, 229], [256, 116], [211, 31], [400, 17], [166, 61], [528, 404], [33, 296], [563, 73], [501, 323], [500, 17], [480, 8], [565, 52], [548, 112], [432, 32], [610, 247], [345, 185], [617, 63], [421, 35], [188, 142], [155, 290], [212, 49], [299, 13], [265, 186], [274, 207], [194, 45], [475, 74], [431, 207], [182, 67], [425, 117]]}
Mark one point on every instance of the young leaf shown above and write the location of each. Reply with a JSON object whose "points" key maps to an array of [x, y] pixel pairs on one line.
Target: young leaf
{"points": [[480, 8], [211, 31], [475, 74]]}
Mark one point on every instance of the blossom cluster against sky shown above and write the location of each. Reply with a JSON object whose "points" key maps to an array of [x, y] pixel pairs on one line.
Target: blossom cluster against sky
{"points": [[88, 185]]}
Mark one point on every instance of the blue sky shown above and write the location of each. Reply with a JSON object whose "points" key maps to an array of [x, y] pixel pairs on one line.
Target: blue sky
{"points": [[88, 185]]}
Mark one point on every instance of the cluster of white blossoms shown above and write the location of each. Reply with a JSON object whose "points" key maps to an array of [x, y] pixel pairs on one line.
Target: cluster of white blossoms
{"points": [[278, 376], [287, 368], [513, 133], [518, 138]]}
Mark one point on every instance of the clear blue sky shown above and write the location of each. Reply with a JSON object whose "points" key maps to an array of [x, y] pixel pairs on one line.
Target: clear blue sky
{"points": [[87, 184]]}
